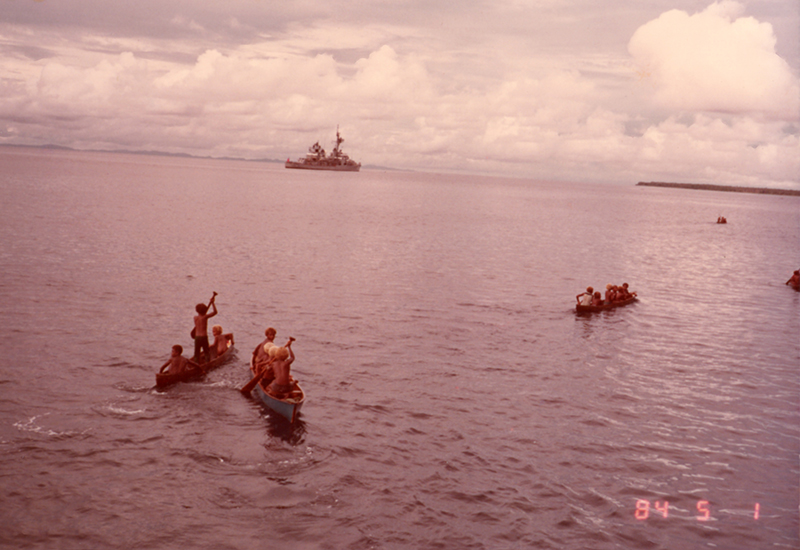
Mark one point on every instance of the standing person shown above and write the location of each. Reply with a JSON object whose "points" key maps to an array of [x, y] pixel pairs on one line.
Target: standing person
{"points": [[201, 329], [283, 382], [585, 298]]}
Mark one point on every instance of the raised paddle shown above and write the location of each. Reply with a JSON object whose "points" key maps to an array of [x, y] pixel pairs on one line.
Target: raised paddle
{"points": [[252, 383]]}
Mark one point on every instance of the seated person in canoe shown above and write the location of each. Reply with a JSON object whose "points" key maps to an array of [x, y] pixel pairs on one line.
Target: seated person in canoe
{"points": [[283, 382], [585, 298], [627, 293], [177, 363], [260, 353], [220, 344], [264, 355]]}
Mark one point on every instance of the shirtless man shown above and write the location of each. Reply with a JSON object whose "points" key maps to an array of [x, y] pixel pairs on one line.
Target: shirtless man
{"points": [[283, 382], [585, 298], [177, 363], [201, 329], [260, 353], [220, 345], [628, 293]]}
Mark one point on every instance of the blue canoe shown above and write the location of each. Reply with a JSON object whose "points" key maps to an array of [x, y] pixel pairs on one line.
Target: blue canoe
{"points": [[287, 406]]}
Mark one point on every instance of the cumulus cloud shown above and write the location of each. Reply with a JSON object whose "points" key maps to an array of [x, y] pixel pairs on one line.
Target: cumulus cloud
{"points": [[708, 98], [716, 61]]}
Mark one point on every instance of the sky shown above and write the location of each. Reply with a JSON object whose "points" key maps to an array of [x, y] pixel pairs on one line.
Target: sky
{"points": [[619, 91]]}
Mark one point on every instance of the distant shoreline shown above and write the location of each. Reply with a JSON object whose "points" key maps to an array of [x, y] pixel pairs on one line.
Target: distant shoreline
{"points": [[176, 155], [730, 189]]}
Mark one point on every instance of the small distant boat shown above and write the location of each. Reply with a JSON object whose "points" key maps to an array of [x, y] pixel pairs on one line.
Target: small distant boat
{"points": [[722, 219], [591, 309], [287, 406], [316, 159], [794, 280], [164, 379]]}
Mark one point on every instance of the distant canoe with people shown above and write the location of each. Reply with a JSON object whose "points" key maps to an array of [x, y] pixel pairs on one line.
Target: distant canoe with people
{"points": [[591, 309], [794, 280], [616, 295]]}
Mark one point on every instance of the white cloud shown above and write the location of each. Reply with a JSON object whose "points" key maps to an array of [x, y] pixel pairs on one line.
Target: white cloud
{"points": [[706, 102], [714, 61]]}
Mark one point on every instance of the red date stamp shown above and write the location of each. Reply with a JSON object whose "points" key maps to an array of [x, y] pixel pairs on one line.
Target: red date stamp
{"points": [[660, 508]]}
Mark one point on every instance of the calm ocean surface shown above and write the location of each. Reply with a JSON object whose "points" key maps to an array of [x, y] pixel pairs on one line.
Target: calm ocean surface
{"points": [[455, 399]]}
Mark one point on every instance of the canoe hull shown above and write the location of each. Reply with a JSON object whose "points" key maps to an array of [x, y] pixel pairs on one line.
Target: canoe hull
{"points": [[591, 309], [288, 407], [164, 379]]}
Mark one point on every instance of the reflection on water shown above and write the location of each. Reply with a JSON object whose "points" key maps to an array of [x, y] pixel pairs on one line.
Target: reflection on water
{"points": [[279, 427]]}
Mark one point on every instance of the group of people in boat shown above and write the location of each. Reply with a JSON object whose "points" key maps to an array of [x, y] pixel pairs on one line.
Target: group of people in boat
{"points": [[272, 363], [203, 350], [722, 219], [614, 293]]}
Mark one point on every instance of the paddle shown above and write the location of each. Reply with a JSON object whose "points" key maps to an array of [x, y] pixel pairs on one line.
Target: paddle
{"points": [[252, 383]]}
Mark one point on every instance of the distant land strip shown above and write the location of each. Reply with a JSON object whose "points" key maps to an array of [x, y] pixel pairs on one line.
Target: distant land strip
{"points": [[728, 188]]}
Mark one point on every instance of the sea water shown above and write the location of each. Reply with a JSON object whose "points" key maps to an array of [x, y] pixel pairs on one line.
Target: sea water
{"points": [[454, 398]]}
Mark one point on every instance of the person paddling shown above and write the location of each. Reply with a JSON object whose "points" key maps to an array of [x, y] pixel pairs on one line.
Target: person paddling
{"points": [[221, 341], [585, 298], [283, 381], [277, 356], [177, 363], [260, 351], [200, 331]]}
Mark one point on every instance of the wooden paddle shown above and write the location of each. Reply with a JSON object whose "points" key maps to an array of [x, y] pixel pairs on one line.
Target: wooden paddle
{"points": [[252, 383]]}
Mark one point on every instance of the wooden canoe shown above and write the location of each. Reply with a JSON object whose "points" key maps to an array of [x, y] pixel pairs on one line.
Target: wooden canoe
{"points": [[287, 406], [591, 309], [164, 379]]}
